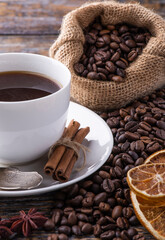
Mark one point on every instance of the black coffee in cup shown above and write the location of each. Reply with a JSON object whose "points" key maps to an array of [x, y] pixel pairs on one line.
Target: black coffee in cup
{"points": [[22, 86]]}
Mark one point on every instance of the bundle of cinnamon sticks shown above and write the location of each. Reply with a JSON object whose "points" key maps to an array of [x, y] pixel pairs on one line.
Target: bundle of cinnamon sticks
{"points": [[63, 158]]}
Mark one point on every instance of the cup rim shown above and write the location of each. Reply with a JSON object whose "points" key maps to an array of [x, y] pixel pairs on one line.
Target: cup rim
{"points": [[45, 97]]}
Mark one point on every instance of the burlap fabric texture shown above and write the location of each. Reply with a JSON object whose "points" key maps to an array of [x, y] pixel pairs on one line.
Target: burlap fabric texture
{"points": [[144, 75]]}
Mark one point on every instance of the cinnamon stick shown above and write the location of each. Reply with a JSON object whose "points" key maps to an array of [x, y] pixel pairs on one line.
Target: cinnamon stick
{"points": [[55, 158], [64, 169]]}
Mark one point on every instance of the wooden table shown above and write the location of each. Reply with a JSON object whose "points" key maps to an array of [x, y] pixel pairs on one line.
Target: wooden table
{"points": [[32, 26]]}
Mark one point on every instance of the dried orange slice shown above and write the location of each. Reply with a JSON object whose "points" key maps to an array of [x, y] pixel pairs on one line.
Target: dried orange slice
{"points": [[148, 181], [151, 217], [157, 157]]}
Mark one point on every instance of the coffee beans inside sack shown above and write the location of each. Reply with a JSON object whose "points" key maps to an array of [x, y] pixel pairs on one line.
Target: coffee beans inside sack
{"points": [[109, 50], [115, 52]]}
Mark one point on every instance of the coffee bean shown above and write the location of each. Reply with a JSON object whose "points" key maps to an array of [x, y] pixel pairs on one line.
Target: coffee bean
{"points": [[152, 147], [87, 228], [104, 207], [131, 136], [115, 57], [56, 215], [127, 212], [138, 237], [93, 76], [160, 133], [117, 79], [107, 227], [130, 43], [72, 219], [132, 232], [121, 72], [122, 223], [132, 55], [108, 185], [79, 68], [125, 235], [76, 230], [101, 197], [53, 237], [49, 225], [117, 212], [63, 237], [97, 230], [82, 217], [64, 221], [64, 229], [121, 64], [108, 235], [124, 47], [133, 220]]}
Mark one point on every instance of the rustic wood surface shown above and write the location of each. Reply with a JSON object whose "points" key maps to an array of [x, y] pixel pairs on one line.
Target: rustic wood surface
{"points": [[32, 26]]}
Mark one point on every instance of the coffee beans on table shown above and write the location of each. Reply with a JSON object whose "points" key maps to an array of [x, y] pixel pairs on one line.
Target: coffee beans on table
{"points": [[109, 50], [101, 204]]}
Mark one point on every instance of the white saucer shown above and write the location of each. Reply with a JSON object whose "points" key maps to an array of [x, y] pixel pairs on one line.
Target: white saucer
{"points": [[99, 141]]}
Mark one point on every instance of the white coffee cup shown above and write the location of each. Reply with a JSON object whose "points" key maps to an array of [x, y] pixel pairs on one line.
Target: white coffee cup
{"points": [[28, 128]]}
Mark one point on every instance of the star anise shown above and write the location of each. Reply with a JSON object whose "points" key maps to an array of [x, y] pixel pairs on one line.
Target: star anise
{"points": [[25, 223], [5, 231]]}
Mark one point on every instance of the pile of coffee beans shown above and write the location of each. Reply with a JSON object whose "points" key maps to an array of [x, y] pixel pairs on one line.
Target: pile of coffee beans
{"points": [[109, 50], [101, 205]]}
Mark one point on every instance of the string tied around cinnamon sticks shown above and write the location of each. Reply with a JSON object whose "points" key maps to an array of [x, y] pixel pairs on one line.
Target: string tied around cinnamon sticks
{"points": [[67, 142], [63, 157]]}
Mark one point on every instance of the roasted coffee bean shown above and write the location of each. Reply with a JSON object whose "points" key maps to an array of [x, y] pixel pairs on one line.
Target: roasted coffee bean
{"points": [[138, 237], [133, 220], [56, 215], [152, 147], [64, 221], [102, 221], [104, 207], [82, 217], [122, 223], [76, 230], [79, 68], [101, 197], [108, 235], [68, 210], [125, 235], [97, 230], [124, 47], [87, 228], [72, 219], [131, 136], [104, 174], [49, 225], [63, 237], [87, 202], [53, 237], [132, 232], [117, 212], [127, 212], [115, 57], [64, 229], [107, 227], [117, 79], [93, 76], [108, 185]]}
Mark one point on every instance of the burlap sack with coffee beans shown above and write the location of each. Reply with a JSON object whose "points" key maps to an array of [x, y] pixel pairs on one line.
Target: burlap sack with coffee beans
{"points": [[144, 75]]}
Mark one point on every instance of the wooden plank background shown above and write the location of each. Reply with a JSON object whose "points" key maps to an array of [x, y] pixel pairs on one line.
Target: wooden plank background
{"points": [[32, 26]]}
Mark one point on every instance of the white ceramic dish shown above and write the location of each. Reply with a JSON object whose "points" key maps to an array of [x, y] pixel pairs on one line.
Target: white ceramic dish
{"points": [[99, 141]]}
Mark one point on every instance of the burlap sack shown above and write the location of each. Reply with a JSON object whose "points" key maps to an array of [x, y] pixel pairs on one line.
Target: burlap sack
{"points": [[144, 75]]}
